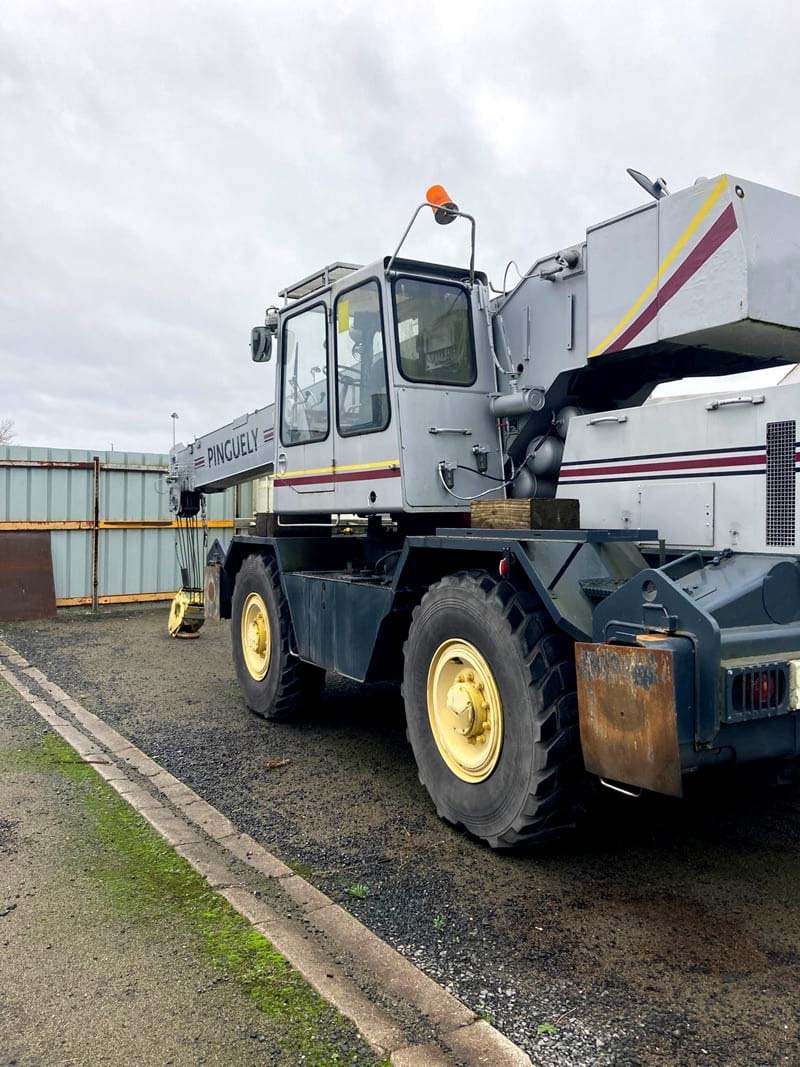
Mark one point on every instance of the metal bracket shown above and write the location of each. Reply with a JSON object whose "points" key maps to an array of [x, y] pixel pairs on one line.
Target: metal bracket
{"points": [[634, 793], [657, 617], [450, 211]]}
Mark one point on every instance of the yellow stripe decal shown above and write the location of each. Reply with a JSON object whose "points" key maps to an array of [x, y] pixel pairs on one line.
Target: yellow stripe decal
{"points": [[385, 464], [109, 524], [670, 258]]}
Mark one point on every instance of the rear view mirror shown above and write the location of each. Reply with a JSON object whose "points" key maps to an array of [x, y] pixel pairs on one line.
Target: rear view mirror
{"points": [[261, 344]]}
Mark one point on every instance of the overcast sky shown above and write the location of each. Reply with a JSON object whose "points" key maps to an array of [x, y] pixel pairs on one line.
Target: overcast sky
{"points": [[166, 167]]}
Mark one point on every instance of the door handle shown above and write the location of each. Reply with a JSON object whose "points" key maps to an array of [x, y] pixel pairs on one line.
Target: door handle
{"points": [[282, 463], [607, 418], [715, 405]]}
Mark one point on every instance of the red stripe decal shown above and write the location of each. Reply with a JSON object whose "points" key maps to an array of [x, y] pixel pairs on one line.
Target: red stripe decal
{"points": [[343, 476], [667, 465], [703, 250]]}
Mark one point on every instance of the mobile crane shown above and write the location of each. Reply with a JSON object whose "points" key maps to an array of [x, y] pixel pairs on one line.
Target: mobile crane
{"points": [[658, 636]]}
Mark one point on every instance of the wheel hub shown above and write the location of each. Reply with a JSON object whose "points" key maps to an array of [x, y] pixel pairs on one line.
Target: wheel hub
{"points": [[465, 710], [256, 637], [465, 700]]}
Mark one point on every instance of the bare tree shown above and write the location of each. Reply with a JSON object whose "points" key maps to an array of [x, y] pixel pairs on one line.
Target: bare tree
{"points": [[6, 431]]}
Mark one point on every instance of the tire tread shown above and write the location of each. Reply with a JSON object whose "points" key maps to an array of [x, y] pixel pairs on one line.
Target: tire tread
{"points": [[552, 801], [298, 682]]}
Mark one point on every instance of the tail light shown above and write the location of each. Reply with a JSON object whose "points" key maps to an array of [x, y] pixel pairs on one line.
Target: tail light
{"points": [[756, 692]]}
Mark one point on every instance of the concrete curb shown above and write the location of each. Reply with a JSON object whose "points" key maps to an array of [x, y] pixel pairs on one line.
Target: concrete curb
{"points": [[461, 1036]]}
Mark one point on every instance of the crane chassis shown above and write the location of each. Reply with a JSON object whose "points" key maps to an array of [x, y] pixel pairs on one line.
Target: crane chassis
{"points": [[418, 414]]}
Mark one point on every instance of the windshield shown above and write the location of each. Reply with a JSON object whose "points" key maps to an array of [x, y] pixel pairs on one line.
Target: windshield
{"points": [[434, 339]]}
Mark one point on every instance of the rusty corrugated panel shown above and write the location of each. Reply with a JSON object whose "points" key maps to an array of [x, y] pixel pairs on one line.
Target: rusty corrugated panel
{"points": [[27, 590], [134, 553], [628, 717]]}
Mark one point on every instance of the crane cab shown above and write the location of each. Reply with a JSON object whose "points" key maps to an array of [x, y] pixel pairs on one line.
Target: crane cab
{"points": [[382, 391]]}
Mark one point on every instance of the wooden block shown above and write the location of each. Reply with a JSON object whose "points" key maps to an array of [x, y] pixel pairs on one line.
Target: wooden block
{"points": [[528, 514], [266, 524], [556, 514], [501, 514]]}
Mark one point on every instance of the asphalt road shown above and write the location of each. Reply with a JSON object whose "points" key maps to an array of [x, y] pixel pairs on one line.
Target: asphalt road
{"points": [[664, 932]]}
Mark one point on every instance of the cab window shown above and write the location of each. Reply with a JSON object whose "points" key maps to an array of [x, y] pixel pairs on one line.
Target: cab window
{"points": [[304, 401], [361, 381], [434, 339]]}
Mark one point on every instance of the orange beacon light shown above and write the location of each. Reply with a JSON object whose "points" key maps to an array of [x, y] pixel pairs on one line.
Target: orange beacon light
{"points": [[443, 207]]}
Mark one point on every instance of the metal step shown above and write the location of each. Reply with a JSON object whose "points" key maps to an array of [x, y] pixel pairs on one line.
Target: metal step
{"points": [[598, 589]]}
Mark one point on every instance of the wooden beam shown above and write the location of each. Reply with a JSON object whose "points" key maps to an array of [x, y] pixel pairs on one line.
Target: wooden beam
{"points": [[535, 514]]}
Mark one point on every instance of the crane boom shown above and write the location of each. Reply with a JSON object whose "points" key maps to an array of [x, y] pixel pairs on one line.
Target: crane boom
{"points": [[234, 453]]}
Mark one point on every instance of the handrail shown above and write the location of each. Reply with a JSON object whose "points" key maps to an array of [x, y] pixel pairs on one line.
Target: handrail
{"points": [[449, 211]]}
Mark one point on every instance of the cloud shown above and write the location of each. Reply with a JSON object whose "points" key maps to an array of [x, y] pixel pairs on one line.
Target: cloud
{"points": [[166, 168]]}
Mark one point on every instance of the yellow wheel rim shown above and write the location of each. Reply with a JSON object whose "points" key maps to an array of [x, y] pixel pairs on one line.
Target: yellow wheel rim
{"points": [[256, 637], [465, 710]]}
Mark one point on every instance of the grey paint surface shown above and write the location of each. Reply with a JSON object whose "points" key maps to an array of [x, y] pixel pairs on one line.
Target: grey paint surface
{"points": [[715, 494], [243, 448]]}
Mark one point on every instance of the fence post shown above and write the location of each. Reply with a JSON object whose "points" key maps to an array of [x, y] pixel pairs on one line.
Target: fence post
{"points": [[96, 535]]}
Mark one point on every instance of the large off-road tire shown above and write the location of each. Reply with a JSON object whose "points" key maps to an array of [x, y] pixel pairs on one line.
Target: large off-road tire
{"points": [[512, 774], [276, 684]]}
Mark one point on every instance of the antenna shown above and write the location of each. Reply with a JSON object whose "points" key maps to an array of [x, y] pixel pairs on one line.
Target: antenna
{"points": [[657, 189]]}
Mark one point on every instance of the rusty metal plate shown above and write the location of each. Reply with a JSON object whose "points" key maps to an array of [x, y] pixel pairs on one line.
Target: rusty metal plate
{"points": [[213, 577], [628, 717], [27, 590]]}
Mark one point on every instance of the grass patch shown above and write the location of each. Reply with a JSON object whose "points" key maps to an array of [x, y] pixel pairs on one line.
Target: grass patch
{"points": [[303, 870], [148, 882]]}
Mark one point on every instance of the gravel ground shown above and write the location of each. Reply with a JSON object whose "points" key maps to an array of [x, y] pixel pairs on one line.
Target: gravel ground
{"points": [[663, 933]]}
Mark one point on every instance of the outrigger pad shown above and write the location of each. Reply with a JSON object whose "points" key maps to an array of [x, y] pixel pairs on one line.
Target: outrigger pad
{"points": [[628, 717]]}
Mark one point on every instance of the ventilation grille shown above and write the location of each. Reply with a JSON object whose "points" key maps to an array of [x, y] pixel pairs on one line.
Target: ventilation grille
{"points": [[756, 692], [780, 483]]}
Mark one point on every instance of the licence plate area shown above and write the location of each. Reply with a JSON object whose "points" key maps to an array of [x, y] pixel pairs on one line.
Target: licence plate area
{"points": [[628, 714]]}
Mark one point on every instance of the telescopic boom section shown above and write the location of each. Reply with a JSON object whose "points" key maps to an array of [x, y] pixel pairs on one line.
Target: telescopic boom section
{"points": [[241, 450]]}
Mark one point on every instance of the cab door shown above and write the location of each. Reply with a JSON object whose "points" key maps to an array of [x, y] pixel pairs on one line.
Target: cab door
{"points": [[447, 429], [367, 453], [304, 466]]}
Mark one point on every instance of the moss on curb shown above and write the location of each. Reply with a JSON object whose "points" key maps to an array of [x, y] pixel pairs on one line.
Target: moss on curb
{"points": [[145, 879]]}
